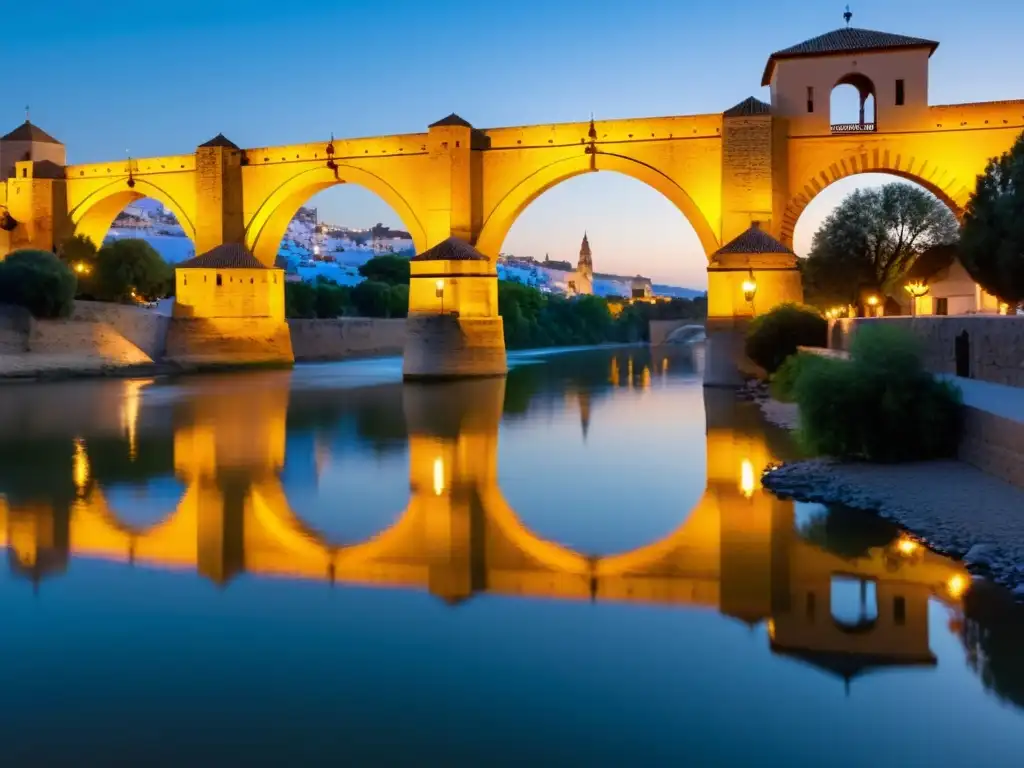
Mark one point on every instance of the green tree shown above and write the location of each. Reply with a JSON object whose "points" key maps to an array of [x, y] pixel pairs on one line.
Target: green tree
{"points": [[390, 269], [300, 300], [398, 301], [371, 298], [992, 242], [871, 239], [131, 269], [775, 335], [79, 253], [39, 282]]}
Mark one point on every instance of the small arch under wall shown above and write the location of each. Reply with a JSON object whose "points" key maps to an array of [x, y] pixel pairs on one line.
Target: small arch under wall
{"points": [[946, 187], [500, 219], [95, 214], [266, 228]]}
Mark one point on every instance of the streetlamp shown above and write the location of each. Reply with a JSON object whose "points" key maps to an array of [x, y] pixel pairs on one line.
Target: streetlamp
{"points": [[873, 303], [917, 290], [439, 293], [750, 290]]}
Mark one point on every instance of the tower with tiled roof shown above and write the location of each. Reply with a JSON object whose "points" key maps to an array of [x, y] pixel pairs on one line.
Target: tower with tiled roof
{"points": [[582, 280], [889, 69]]}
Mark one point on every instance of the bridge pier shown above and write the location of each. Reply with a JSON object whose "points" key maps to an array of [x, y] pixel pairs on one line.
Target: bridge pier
{"points": [[453, 329]]}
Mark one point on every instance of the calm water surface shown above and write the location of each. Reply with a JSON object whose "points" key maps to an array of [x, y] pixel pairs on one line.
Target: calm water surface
{"points": [[576, 565]]}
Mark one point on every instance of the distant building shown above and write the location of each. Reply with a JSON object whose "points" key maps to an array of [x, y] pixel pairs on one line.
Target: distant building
{"points": [[581, 282], [641, 289], [948, 288]]}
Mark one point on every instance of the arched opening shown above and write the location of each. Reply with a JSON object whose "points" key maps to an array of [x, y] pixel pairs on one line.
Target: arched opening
{"points": [[142, 506], [270, 225], [148, 219], [144, 211], [507, 211], [335, 231], [852, 104], [899, 216]]}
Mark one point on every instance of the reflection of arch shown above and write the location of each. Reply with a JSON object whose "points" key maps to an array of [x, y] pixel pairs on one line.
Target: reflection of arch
{"points": [[94, 215], [928, 174], [272, 511], [270, 222], [866, 89], [508, 209]]}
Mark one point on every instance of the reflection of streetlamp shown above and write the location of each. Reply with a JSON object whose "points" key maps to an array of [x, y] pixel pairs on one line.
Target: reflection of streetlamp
{"points": [[917, 290], [439, 293]]}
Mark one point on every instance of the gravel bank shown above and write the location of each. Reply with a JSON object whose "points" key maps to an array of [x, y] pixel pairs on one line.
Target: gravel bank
{"points": [[955, 508]]}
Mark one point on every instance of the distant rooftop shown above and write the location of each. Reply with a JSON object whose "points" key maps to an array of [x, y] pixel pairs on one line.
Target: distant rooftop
{"points": [[846, 40]]}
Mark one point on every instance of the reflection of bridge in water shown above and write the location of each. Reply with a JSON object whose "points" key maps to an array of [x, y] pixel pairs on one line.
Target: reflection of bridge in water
{"points": [[738, 551]]}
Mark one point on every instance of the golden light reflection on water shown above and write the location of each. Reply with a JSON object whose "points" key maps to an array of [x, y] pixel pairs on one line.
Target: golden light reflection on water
{"points": [[739, 550]]}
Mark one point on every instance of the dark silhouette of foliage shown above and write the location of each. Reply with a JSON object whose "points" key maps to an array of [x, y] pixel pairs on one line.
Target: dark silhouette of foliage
{"points": [[774, 336], [39, 282], [881, 405], [870, 240], [992, 241]]}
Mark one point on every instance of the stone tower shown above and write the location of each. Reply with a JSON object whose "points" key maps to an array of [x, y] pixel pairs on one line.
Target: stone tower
{"points": [[32, 190], [582, 280]]}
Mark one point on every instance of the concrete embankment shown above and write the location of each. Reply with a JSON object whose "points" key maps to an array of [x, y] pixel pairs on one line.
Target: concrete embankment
{"points": [[102, 339]]}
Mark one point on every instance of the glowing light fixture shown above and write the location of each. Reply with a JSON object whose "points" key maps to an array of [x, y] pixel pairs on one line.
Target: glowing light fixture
{"points": [[749, 287], [872, 301], [438, 476], [82, 268]]}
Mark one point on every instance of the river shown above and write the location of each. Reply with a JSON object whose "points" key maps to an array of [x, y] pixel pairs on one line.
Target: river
{"points": [[573, 565]]}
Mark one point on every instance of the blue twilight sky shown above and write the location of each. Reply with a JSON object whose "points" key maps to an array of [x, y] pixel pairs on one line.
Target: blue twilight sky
{"points": [[160, 78]]}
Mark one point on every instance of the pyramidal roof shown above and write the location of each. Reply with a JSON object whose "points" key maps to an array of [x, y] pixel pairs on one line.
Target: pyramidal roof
{"points": [[29, 132], [220, 140], [452, 249], [452, 119], [846, 40], [748, 108], [585, 246], [225, 256], [754, 240]]}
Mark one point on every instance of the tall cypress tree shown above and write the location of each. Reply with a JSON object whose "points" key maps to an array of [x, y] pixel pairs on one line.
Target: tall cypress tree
{"points": [[992, 240]]}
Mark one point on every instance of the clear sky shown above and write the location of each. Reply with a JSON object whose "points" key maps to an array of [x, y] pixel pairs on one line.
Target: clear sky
{"points": [[160, 78]]}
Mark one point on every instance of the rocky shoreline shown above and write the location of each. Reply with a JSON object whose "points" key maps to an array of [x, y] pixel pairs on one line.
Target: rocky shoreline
{"points": [[952, 507]]}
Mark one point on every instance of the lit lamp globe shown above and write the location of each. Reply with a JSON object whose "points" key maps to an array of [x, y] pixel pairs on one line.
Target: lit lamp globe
{"points": [[917, 289], [749, 288]]}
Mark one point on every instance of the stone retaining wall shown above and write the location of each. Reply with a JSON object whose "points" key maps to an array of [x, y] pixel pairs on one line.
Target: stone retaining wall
{"points": [[346, 337], [994, 348], [223, 342], [145, 328], [993, 444]]}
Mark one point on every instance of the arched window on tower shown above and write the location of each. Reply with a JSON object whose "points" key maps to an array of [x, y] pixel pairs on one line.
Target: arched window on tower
{"points": [[852, 105]]}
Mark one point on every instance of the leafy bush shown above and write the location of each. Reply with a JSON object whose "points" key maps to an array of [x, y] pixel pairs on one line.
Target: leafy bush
{"points": [[39, 282], [881, 405], [131, 269], [783, 382], [774, 336]]}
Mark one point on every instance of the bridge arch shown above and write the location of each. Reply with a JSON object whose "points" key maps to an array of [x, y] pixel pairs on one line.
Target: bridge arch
{"points": [[93, 216], [266, 228], [500, 219], [951, 190]]}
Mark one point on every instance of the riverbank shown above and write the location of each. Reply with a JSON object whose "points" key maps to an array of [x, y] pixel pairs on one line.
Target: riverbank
{"points": [[954, 508]]}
